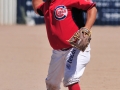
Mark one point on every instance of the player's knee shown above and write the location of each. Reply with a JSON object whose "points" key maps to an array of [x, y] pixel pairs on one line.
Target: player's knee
{"points": [[51, 86]]}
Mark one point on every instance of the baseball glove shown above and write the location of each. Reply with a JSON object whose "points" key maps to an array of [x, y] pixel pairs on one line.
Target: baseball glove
{"points": [[81, 39]]}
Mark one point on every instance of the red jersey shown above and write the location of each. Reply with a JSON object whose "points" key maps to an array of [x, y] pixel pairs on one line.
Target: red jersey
{"points": [[59, 21]]}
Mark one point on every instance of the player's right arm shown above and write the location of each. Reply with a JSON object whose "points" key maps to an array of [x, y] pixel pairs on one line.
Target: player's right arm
{"points": [[36, 4]]}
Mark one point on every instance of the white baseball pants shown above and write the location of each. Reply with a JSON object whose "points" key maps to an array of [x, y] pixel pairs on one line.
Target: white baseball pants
{"points": [[67, 66]]}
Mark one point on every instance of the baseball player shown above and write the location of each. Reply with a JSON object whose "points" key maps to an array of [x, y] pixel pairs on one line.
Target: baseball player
{"points": [[69, 40]]}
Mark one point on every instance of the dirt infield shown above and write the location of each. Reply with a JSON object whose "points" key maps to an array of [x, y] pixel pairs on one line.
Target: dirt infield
{"points": [[25, 55]]}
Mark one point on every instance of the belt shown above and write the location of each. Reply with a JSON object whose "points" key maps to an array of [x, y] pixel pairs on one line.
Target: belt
{"points": [[65, 49]]}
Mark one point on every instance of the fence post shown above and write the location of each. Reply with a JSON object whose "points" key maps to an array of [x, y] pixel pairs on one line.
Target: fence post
{"points": [[8, 12]]}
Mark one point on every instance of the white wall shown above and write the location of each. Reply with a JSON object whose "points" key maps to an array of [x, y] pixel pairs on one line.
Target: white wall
{"points": [[8, 12]]}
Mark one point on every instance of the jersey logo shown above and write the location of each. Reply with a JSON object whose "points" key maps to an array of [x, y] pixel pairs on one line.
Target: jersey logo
{"points": [[60, 12]]}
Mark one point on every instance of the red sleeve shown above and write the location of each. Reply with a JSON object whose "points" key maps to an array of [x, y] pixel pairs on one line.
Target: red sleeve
{"points": [[40, 9], [83, 4]]}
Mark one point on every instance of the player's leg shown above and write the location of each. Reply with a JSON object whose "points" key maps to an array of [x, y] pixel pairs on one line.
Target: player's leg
{"points": [[56, 70], [75, 66]]}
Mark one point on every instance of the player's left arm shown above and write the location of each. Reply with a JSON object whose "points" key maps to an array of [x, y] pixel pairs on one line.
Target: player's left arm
{"points": [[91, 17], [90, 8]]}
